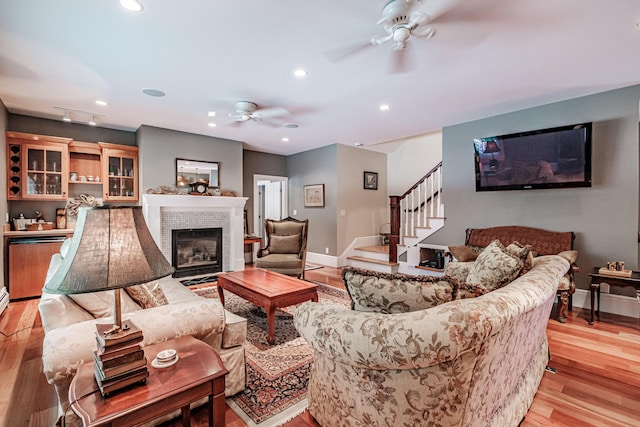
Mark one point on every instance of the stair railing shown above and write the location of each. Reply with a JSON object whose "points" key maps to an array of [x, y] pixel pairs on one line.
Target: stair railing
{"points": [[414, 208]]}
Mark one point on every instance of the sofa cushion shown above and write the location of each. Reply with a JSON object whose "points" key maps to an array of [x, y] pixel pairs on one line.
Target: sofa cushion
{"points": [[101, 304], [147, 294], [494, 267], [378, 292], [284, 244], [464, 253]]}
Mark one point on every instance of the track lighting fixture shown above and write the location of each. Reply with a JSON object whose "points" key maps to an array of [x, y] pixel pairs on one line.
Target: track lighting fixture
{"points": [[92, 121]]}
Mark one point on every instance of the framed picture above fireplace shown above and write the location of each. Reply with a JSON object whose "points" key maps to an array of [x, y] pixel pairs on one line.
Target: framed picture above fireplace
{"points": [[190, 172]]}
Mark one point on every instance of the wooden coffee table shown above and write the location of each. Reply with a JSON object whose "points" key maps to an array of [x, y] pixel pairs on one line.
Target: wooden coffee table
{"points": [[267, 289], [198, 373]]}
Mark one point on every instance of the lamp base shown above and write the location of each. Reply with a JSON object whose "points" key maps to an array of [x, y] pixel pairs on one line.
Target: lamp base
{"points": [[119, 359]]}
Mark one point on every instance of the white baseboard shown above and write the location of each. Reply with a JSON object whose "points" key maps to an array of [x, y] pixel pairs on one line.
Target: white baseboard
{"points": [[609, 303], [327, 260]]}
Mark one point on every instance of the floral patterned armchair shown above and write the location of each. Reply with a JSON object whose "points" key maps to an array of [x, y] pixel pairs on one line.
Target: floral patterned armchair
{"points": [[429, 351]]}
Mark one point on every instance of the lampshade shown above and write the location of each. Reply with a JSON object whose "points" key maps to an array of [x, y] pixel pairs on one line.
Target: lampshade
{"points": [[111, 248], [491, 147]]}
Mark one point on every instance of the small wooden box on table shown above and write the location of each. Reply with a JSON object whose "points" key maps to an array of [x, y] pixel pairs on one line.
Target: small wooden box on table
{"points": [[613, 278], [198, 373]]}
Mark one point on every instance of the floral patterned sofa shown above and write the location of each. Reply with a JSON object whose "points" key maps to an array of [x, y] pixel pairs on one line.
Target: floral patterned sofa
{"points": [[418, 351], [69, 325]]}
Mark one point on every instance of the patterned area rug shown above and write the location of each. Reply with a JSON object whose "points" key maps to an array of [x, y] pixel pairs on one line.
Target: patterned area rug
{"points": [[277, 375]]}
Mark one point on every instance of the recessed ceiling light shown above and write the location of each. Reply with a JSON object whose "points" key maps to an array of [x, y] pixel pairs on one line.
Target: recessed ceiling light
{"points": [[211, 114], [358, 144], [212, 125], [300, 72], [153, 92], [132, 5], [285, 139], [92, 121], [67, 117], [385, 107], [101, 103]]}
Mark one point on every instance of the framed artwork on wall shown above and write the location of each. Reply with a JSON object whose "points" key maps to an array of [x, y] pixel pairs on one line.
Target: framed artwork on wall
{"points": [[314, 195], [371, 180]]}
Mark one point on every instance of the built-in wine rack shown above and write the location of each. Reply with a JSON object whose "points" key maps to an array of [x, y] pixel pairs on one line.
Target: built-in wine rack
{"points": [[14, 160]]}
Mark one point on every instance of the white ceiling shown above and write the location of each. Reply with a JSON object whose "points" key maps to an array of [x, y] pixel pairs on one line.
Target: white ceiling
{"points": [[487, 57]]}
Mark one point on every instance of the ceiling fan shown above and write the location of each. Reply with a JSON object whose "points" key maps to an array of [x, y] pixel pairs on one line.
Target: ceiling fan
{"points": [[248, 111], [402, 21]]}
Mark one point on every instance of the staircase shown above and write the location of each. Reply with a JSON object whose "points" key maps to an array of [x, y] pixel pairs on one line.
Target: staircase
{"points": [[415, 215]]}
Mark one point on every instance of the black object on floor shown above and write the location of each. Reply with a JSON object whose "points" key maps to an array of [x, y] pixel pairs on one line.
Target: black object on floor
{"points": [[199, 280]]}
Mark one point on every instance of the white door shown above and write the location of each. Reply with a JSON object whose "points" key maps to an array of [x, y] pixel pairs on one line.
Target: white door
{"points": [[270, 200]]}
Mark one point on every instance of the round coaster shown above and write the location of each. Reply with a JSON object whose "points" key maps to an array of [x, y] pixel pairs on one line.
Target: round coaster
{"points": [[166, 355], [159, 364]]}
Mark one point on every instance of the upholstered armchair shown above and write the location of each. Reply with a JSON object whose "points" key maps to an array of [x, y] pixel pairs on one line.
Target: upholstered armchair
{"points": [[286, 249]]}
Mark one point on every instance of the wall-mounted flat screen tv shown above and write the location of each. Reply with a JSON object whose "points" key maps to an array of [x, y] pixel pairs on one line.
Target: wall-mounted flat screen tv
{"points": [[548, 158]]}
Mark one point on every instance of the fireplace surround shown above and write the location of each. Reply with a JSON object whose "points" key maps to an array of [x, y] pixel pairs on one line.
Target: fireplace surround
{"points": [[165, 212]]}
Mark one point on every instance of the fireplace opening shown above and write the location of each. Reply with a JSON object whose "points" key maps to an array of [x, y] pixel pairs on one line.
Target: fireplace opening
{"points": [[196, 251]]}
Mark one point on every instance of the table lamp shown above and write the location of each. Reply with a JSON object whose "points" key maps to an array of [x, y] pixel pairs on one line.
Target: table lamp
{"points": [[112, 249]]}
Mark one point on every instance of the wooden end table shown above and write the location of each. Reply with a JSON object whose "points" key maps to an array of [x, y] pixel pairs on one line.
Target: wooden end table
{"points": [[198, 373], [267, 289], [597, 278]]}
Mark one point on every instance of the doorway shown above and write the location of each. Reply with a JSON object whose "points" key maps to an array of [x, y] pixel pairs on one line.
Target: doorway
{"points": [[270, 200]]}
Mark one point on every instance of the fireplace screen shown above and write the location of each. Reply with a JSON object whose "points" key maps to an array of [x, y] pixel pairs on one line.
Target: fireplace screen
{"points": [[196, 251]]}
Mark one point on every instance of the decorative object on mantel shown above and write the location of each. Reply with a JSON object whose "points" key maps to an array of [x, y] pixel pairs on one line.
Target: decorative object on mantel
{"points": [[74, 203], [228, 193], [163, 189]]}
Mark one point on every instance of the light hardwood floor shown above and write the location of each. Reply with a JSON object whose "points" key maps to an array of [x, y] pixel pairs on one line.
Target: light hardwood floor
{"points": [[597, 382]]}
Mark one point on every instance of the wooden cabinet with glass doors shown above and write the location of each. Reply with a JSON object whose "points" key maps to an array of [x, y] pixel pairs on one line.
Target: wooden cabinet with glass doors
{"points": [[37, 167], [120, 171]]}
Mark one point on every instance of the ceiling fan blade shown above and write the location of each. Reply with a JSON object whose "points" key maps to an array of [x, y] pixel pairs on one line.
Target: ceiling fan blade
{"points": [[400, 61], [434, 9], [339, 53], [266, 113]]}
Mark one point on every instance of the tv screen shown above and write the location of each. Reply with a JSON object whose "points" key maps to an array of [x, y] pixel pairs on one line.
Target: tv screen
{"points": [[549, 158]]}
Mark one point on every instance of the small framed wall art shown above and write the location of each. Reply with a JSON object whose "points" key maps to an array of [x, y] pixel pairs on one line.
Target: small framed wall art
{"points": [[314, 195], [371, 180]]}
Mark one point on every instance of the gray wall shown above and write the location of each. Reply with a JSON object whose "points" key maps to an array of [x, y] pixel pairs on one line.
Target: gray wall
{"points": [[159, 149], [257, 163], [317, 166], [604, 217], [341, 169], [365, 210]]}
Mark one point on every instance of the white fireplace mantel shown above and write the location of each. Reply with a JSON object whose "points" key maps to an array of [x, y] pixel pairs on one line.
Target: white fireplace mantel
{"points": [[155, 205]]}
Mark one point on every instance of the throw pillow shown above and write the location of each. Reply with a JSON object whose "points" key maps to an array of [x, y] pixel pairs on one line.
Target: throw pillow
{"points": [[523, 252], [494, 267], [378, 292], [284, 244], [148, 295], [101, 304], [465, 253]]}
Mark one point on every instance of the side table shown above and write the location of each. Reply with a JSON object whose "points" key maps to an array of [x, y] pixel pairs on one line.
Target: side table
{"points": [[198, 373], [597, 278]]}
